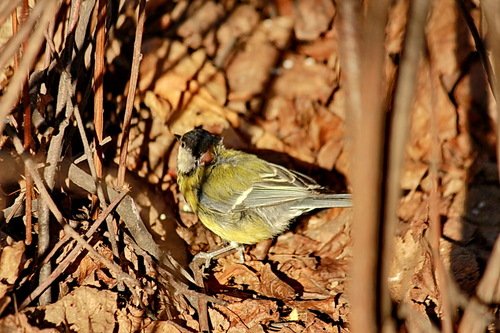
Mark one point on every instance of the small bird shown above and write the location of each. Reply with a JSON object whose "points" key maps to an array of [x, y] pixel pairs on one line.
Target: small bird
{"points": [[241, 197]]}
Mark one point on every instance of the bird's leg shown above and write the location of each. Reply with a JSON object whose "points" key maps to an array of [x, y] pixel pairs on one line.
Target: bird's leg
{"points": [[206, 257], [241, 253]]}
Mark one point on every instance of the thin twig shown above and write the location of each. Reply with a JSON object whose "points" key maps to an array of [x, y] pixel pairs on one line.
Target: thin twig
{"points": [[129, 213], [492, 16], [31, 166], [478, 42], [98, 84], [64, 101], [201, 302], [52, 163], [25, 93], [134, 74], [11, 47], [477, 315], [120, 274], [27, 124], [99, 62], [75, 14], [13, 90], [441, 275], [488, 288], [6, 8], [400, 128], [29, 182], [70, 258], [83, 24], [92, 229], [350, 17], [365, 289], [89, 158], [28, 142]]}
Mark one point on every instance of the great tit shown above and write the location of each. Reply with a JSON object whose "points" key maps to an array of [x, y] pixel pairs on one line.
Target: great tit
{"points": [[241, 197]]}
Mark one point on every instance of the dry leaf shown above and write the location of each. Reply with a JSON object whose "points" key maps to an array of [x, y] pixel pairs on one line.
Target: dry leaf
{"points": [[320, 83], [443, 38], [413, 174], [249, 313], [240, 23], [248, 74], [199, 22], [85, 310], [248, 77], [11, 259], [329, 153], [160, 56], [237, 274], [321, 49], [312, 17], [159, 326], [130, 319], [272, 286], [218, 321], [88, 266], [408, 258], [18, 323]]}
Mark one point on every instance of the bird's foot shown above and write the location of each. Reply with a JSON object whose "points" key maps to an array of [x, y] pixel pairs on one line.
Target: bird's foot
{"points": [[202, 260]]}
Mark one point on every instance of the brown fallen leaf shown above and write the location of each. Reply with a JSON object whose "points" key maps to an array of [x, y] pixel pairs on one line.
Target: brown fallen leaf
{"points": [[447, 32], [408, 258], [199, 21], [85, 310], [159, 326], [241, 22], [247, 74], [414, 207], [18, 323], [172, 85], [131, 319], [11, 260], [272, 286], [218, 320], [248, 313], [236, 273], [413, 173], [331, 229], [247, 77], [89, 271], [320, 83], [312, 18], [159, 56], [321, 49], [329, 153]]}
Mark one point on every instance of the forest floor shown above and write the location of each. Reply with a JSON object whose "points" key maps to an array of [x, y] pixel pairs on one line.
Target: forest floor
{"points": [[268, 78]]}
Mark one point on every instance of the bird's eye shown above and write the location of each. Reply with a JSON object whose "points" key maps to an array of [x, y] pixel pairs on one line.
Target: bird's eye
{"points": [[183, 145]]}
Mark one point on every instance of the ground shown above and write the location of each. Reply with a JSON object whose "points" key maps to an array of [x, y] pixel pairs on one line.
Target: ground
{"points": [[271, 78]]}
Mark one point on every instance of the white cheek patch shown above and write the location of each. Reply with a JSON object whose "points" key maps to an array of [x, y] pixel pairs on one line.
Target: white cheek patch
{"points": [[185, 161]]}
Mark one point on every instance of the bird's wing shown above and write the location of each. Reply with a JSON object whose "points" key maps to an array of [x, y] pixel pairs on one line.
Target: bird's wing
{"points": [[279, 186], [252, 183]]}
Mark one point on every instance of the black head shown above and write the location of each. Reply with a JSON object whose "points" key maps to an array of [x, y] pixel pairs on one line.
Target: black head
{"points": [[197, 147], [199, 141]]}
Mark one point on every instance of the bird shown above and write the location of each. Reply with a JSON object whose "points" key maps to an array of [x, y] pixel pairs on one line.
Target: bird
{"points": [[241, 197]]}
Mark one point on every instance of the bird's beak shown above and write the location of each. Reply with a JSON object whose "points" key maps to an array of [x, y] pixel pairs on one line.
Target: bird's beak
{"points": [[177, 137]]}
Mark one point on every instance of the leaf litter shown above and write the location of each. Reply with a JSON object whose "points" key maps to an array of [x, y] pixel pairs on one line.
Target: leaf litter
{"points": [[267, 77]]}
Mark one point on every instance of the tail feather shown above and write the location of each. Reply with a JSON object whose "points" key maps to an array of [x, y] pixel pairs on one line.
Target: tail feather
{"points": [[327, 201]]}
